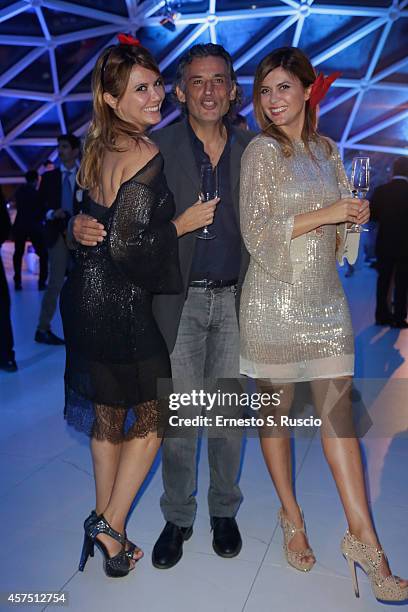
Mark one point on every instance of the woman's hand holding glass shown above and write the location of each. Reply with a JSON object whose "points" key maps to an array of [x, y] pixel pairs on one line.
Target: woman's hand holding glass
{"points": [[196, 216], [348, 210], [360, 181]]}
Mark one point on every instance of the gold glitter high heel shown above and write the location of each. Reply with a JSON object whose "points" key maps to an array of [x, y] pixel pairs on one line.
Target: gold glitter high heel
{"points": [[293, 557], [369, 559]]}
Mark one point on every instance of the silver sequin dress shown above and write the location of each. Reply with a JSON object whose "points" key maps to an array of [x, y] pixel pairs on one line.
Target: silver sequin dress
{"points": [[294, 318]]}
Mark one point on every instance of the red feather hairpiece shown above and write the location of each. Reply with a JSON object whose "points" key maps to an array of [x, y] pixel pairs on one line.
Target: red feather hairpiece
{"points": [[321, 86], [126, 39]]}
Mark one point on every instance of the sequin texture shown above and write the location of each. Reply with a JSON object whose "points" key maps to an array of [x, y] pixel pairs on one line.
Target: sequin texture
{"points": [[115, 353], [294, 318]]}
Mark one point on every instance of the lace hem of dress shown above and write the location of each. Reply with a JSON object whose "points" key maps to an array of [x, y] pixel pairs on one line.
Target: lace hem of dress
{"points": [[112, 423]]}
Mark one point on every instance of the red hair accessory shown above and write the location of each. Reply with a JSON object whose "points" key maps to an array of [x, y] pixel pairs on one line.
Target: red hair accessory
{"points": [[126, 39], [321, 86]]}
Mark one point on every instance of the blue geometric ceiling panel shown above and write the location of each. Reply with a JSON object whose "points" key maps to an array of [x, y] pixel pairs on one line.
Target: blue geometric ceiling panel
{"points": [[40, 71], [394, 136], [335, 128], [13, 111], [48, 49]]}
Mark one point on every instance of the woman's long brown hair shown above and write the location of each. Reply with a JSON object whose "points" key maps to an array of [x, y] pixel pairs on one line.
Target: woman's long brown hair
{"points": [[294, 61], [111, 74]]}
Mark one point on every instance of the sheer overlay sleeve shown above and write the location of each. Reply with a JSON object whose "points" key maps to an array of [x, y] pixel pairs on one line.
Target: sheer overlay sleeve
{"points": [[348, 242], [265, 223], [143, 241]]}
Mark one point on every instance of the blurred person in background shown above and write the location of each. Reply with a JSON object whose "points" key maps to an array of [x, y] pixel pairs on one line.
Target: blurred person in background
{"points": [[59, 194], [389, 208], [240, 121], [28, 225], [48, 165], [7, 359]]}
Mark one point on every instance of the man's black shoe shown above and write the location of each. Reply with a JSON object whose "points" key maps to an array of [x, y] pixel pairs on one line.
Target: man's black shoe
{"points": [[42, 286], [168, 549], [227, 540], [47, 337], [8, 365], [400, 324], [18, 286]]}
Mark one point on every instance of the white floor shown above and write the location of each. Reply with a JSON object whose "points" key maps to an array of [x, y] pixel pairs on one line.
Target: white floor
{"points": [[46, 491]]}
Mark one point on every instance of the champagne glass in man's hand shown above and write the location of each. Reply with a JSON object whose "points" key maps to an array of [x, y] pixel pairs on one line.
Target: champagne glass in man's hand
{"points": [[360, 180], [208, 191]]}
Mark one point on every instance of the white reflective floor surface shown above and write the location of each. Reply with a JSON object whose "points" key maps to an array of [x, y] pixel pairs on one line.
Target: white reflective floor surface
{"points": [[47, 490]]}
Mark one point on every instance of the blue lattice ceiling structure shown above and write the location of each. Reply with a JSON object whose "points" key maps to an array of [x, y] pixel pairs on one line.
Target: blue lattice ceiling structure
{"points": [[49, 47]]}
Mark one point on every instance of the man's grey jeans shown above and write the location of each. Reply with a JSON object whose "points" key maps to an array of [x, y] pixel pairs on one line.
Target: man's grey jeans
{"points": [[207, 350]]}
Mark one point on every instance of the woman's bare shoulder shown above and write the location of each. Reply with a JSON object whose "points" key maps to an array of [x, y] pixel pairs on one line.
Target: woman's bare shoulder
{"points": [[120, 166], [136, 158]]}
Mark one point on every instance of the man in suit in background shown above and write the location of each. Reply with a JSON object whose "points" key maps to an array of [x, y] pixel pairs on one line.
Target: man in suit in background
{"points": [[389, 208], [240, 121], [200, 324], [7, 358], [58, 194], [28, 225]]}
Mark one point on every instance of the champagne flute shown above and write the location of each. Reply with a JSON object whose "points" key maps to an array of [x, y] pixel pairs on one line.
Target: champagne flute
{"points": [[208, 191], [360, 180]]}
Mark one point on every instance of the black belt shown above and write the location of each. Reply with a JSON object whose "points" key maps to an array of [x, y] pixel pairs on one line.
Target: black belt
{"points": [[205, 283]]}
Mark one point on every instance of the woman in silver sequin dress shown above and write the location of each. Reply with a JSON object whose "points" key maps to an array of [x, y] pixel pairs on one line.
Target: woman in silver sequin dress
{"points": [[294, 319]]}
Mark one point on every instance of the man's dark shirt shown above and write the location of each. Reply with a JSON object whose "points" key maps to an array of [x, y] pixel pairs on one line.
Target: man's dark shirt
{"points": [[219, 258]]}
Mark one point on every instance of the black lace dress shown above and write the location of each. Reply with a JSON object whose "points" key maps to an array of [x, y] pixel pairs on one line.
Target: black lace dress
{"points": [[115, 353]]}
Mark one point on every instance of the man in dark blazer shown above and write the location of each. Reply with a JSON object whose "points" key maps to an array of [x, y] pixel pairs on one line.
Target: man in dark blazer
{"points": [[28, 225], [7, 358], [182, 174], [204, 347], [59, 196], [389, 208], [200, 324]]}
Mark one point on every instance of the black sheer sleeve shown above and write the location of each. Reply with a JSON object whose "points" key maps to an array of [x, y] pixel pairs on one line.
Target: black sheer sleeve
{"points": [[143, 241]]}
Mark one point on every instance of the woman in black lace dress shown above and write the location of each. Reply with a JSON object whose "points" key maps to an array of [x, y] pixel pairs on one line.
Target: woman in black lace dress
{"points": [[115, 352]]}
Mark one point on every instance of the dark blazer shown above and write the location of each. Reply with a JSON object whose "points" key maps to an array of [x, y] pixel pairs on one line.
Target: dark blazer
{"points": [[183, 179], [5, 224], [50, 193], [30, 212], [389, 208]]}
